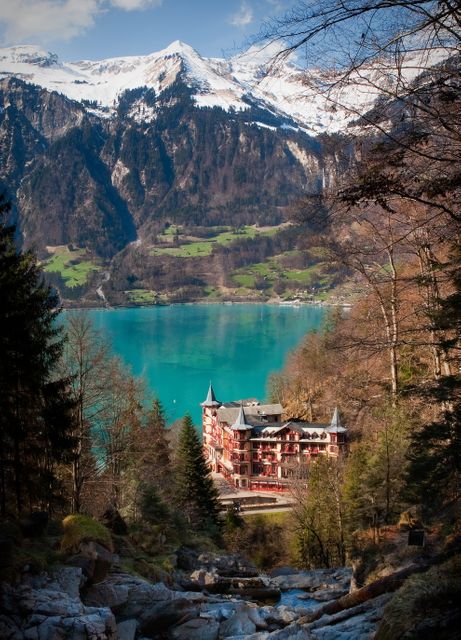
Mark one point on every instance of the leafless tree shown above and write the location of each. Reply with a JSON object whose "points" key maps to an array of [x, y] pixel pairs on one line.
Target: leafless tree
{"points": [[84, 361]]}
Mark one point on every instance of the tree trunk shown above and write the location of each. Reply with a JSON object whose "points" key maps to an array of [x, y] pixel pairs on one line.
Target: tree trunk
{"points": [[387, 584]]}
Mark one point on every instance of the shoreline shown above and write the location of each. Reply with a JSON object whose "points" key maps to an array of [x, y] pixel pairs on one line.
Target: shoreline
{"points": [[227, 303]]}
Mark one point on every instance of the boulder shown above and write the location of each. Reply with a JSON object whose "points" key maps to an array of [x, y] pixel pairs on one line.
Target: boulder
{"points": [[48, 607], [126, 630], [286, 614], [259, 635], [314, 580], [129, 595], [220, 610], [9, 628], [324, 595], [196, 629], [227, 565], [100, 625], [163, 615], [69, 580], [238, 624], [205, 578], [292, 632], [100, 560], [357, 623], [107, 594]]}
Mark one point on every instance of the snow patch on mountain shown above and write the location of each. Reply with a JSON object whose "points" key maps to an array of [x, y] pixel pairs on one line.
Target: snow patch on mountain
{"points": [[282, 88]]}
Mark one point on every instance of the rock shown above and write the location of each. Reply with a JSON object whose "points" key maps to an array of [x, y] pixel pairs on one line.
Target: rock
{"points": [[259, 635], [106, 594], [324, 595], [31, 634], [357, 623], [227, 565], [256, 617], [129, 595], [282, 571], [69, 580], [127, 630], [204, 578], [100, 626], [100, 560], [220, 610], [163, 615], [8, 627], [286, 614], [48, 607], [238, 624], [292, 632], [314, 580], [197, 629]]}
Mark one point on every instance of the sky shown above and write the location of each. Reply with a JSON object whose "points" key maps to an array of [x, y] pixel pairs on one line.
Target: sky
{"points": [[96, 29]]}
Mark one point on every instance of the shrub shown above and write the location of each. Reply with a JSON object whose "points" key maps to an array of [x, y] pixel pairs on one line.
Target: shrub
{"points": [[426, 606]]}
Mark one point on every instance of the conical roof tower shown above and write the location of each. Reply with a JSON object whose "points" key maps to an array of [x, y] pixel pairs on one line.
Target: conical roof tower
{"points": [[241, 423], [210, 400], [335, 424]]}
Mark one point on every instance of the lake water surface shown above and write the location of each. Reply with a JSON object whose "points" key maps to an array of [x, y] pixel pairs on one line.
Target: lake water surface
{"points": [[178, 349]]}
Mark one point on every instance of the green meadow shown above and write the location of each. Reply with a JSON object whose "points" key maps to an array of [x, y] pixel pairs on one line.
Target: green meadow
{"points": [[73, 266]]}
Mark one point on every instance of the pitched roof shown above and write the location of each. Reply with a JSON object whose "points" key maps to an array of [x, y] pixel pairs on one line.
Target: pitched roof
{"points": [[254, 414], [210, 400]]}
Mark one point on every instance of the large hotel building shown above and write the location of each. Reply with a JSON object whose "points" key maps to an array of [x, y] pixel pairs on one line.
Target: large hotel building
{"points": [[249, 444]]}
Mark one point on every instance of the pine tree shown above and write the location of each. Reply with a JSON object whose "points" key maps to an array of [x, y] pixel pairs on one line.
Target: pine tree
{"points": [[35, 416], [195, 492]]}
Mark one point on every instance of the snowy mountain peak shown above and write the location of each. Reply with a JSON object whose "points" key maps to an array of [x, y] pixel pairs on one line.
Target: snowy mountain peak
{"points": [[178, 47], [283, 88], [28, 54]]}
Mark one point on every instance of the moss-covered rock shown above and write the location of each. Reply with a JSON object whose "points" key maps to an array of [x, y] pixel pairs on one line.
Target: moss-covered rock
{"points": [[79, 528]]}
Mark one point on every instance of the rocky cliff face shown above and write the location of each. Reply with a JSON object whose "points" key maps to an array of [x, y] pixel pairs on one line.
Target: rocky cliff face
{"points": [[77, 177]]}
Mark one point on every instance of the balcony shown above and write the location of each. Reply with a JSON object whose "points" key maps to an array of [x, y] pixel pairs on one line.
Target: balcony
{"points": [[214, 443], [240, 457]]}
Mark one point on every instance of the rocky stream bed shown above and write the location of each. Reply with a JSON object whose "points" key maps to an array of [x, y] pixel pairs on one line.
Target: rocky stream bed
{"points": [[211, 597]]}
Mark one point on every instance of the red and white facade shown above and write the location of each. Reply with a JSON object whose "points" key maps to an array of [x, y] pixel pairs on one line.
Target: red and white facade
{"points": [[248, 443]]}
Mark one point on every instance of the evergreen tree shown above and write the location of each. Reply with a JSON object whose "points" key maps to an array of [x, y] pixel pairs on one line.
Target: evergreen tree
{"points": [[195, 492], [36, 412]]}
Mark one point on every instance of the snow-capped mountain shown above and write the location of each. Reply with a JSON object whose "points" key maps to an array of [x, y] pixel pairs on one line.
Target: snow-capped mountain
{"points": [[99, 154], [249, 78]]}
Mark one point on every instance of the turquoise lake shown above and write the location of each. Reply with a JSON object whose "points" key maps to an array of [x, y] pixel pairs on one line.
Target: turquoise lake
{"points": [[178, 349]]}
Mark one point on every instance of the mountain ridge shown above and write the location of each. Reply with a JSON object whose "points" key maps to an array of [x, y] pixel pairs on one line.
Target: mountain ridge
{"points": [[282, 87], [181, 142]]}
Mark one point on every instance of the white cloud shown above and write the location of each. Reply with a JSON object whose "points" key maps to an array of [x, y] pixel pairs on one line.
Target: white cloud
{"points": [[132, 5], [243, 17], [51, 20]]}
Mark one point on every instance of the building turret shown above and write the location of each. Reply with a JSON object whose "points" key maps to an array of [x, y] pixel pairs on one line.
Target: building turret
{"points": [[241, 423], [210, 401], [335, 424]]}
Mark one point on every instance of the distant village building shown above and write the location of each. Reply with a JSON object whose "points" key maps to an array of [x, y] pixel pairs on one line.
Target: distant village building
{"points": [[250, 446]]}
